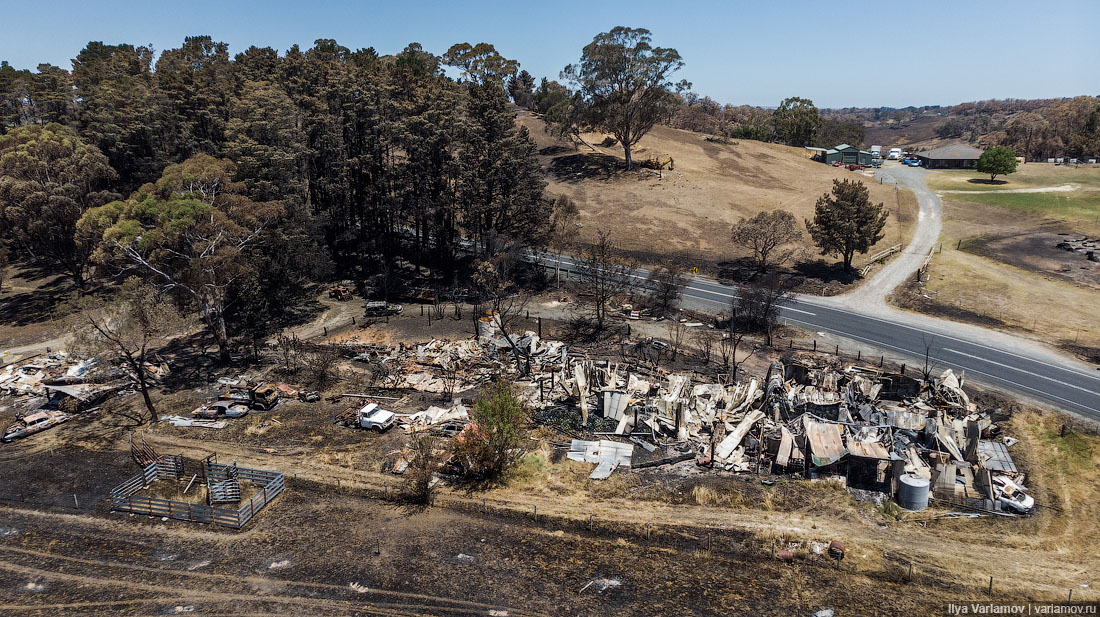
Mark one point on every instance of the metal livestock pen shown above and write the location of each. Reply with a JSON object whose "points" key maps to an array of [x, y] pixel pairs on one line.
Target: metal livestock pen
{"points": [[125, 497]]}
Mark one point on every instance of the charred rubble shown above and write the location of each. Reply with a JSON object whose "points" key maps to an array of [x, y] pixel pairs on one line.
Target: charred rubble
{"points": [[914, 439]]}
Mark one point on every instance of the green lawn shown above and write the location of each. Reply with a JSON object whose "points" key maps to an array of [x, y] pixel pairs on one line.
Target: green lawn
{"points": [[1074, 206], [1026, 176]]}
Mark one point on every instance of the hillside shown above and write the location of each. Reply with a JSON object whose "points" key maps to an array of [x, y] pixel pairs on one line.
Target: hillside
{"points": [[918, 133], [1046, 128], [687, 213]]}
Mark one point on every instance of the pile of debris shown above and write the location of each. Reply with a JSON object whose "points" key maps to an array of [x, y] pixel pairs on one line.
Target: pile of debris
{"points": [[44, 388], [871, 429], [1084, 246]]}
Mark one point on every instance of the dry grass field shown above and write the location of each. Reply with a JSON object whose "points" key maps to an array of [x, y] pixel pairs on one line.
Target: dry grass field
{"points": [[1000, 263], [687, 213]]}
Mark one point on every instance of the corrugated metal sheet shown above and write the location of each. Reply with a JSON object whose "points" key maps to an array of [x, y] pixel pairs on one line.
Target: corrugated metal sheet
{"points": [[826, 443], [600, 451], [996, 456], [868, 449], [911, 420]]}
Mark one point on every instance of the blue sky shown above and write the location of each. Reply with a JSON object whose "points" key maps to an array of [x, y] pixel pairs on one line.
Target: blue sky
{"points": [[888, 52]]}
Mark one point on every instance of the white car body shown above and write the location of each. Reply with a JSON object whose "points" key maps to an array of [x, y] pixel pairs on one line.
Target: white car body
{"points": [[894, 154], [1020, 502]]}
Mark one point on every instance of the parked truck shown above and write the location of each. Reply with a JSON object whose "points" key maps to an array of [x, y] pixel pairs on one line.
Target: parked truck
{"points": [[369, 416]]}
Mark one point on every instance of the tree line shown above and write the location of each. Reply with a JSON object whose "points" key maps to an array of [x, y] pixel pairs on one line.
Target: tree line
{"points": [[230, 182]]}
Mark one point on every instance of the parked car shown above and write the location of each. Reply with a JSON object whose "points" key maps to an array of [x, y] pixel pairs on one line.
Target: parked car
{"points": [[31, 424], [914, 162], [221, 409], [261, 397], [1018, 501], [379, 308]]}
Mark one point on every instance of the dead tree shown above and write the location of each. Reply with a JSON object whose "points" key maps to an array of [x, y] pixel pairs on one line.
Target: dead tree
{"points": [[127, 327], [665, 284], [705, 341], [745, 317], [929, 366], [563, 229], [322, 365], [287, 345], [756, 307], [496, 281], [676, 334], [605, 274]]}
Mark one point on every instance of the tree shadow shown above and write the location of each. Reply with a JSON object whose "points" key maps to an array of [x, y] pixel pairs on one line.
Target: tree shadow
{"points": [[986, 181], [28, 307], [555, 150], [827, 272], [737, 270], [584, 166], [193, 359], [584, 330]]}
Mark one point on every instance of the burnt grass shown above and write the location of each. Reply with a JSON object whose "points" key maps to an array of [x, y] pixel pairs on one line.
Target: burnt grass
{"points": [[322, 539], [303, 552]]}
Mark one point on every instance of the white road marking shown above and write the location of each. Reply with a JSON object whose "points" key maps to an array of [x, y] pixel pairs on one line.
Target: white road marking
{"points": [[897, 324], [1010, 384], [1020, 370], [894, 324]]}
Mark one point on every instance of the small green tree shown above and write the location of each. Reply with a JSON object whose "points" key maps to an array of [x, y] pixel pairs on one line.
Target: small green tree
{"points": [[996, 161], [494, 442], [845, 221]]}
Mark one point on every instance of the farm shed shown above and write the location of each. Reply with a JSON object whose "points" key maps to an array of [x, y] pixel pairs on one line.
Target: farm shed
{"points": [[957, 156], [843, 154]]}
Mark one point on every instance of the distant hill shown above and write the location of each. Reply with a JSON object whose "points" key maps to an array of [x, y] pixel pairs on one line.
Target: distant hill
{"points": [[1044, 127]]}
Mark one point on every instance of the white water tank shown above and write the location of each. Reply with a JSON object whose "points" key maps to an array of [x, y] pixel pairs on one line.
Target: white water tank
{"points": [[912, 492]]}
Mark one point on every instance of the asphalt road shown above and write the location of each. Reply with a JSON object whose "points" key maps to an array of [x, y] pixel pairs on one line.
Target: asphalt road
{"points": [[990, 358]]}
